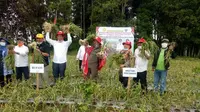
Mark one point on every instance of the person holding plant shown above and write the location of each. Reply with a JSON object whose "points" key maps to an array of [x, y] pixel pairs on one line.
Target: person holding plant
{"points": [[88, 50], [4, 71], [141, 63], [126, 52], [93, 59], [60, 50], [80, 53], [44, 49], [161, 65], [21, 60]]}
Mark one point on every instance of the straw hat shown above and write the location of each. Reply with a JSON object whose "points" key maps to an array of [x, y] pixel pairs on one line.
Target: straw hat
{"points": [[82, 42]]}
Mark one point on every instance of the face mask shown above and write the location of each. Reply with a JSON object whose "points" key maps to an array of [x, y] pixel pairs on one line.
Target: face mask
{"points": [[39, 43], [2, 44], [164, 45], [96, 45], [139, 47], [125, 48]]}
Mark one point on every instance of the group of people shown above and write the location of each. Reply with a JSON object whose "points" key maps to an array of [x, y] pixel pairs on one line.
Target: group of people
{"points": [[89, 62], [21, 52], [60, 48], [160, 64]]}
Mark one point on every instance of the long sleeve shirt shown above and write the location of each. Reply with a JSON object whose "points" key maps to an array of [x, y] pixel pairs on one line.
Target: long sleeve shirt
{"points": [[60, 48], [141, 63], [21, 56], [81, 53]]}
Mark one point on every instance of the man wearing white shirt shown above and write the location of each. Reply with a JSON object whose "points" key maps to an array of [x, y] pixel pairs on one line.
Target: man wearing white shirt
{"points": [[60, 53], [21, 60], [141, 64]]}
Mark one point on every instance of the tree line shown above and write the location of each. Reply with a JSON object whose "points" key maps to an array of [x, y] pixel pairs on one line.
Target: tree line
{"points": [[176, 20]]}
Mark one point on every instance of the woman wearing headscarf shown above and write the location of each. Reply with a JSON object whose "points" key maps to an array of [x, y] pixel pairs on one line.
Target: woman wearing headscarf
{"points": [[4, 72]]}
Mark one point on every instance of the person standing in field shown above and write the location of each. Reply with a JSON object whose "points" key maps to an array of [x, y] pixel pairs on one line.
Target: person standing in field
{"points": [[80, 54], [93, 59], [60, 53], [88, 50], [161, 65], [44, 48], [141, 63], [126, 62], [4, 71], [21, 60]]}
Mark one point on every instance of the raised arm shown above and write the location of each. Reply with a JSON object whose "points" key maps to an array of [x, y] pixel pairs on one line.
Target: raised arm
{"points": [[50, 41], [69, 40]]}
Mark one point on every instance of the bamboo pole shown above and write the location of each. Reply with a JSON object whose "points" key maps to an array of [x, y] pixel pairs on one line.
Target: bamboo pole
{"points": [[129, 85], [132, 62], [37, 85]]}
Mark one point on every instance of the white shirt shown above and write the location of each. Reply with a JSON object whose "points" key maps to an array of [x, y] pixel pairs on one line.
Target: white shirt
{"points": [[119, 47], [81, 52], [21, 59], [141, 63], [60, 48]]}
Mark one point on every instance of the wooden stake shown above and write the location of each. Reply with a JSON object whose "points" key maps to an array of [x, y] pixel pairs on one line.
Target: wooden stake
{"points": [[129, 85], [37, 75]]}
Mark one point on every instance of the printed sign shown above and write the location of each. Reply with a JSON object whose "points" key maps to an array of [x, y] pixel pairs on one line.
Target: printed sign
{"points": [[115, 36], [36, 68], [130, 72]]}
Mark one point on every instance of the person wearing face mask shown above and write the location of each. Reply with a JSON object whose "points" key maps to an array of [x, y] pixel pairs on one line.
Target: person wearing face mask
{"points": [[160, 66], [141, 63], [93, 59], [127, 47], [44, 48], [60, 50], [126, 62], [3, 70], [21, 60]]}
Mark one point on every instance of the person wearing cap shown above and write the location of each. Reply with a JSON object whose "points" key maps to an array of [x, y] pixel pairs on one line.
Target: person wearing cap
{"points": [[141, 63], [80, 53], [93, 59], [44, 48], [127, 46], [160, 66], [4, 72], [21, 60], [126, 62], [60, 50]]}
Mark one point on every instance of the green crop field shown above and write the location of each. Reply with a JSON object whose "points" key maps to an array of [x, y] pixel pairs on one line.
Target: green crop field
{"points": [[74, 94]]}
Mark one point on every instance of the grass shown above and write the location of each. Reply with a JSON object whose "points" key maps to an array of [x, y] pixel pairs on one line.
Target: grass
{"points": [[182, 85]]}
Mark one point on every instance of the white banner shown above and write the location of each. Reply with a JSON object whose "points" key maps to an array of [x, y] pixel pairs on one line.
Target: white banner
{"points": [[115, 36], [36, 68], [130, 72]]}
